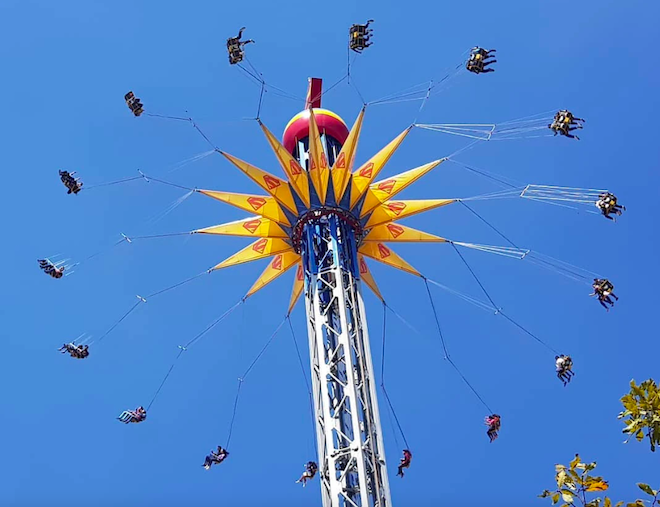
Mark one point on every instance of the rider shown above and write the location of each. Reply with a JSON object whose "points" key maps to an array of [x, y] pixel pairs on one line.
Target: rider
{"points": [[77, 351], [564, 368], [215, 457], [310, 471], [50, 269], [603, 288], [134, 103], [235, 47], [494, 424], [137, 416], [405, 461], [478, 62], [562, 123], [74, 185], [82, 351], [359, 36], [607, 203]]}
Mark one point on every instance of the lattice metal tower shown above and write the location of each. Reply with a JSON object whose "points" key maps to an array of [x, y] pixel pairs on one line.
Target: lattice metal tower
{"points": [[351, 456]]}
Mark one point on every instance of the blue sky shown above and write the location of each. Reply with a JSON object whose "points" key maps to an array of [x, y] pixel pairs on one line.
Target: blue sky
{"points": [[66, 67]]}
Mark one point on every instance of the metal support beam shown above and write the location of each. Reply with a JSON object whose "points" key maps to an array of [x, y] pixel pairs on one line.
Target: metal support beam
{"points": [[352, 468]]}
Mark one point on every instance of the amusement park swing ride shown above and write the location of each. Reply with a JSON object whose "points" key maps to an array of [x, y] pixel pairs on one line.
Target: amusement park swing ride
{"points": [[323, 220]]}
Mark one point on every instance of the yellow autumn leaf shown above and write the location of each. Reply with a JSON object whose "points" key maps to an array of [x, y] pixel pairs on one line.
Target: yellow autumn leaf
{"points": [[573, 464], [598, 486], [561, 478]]}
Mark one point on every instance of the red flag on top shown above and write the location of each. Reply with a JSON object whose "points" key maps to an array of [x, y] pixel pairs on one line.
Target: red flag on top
{"points": [[314, 91]]}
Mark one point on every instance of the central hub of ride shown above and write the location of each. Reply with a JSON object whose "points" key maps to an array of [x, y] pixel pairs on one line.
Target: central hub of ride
{"points": [[319, 216]]}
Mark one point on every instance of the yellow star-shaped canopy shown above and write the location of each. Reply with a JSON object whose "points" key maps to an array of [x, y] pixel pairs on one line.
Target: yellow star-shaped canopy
{"points": [[370, 205]]}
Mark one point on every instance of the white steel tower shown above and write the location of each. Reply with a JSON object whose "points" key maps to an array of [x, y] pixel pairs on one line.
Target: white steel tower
{"points": [[352, 467]]}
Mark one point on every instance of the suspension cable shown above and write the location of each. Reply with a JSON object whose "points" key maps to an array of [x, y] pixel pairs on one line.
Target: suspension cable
{"points": [[437, 322], [116, 182], [177, 284], [382, 355], [212, 325], [435, 314], [272, 337], [167, 235], [165, 379], [382, 378], [300, 361], [481, 172], [166, 116], [261, 99], [172, 184], [490, 225], [242, 378], [475, 277], [233, 414], [96, 254], [140, 300], [309, 390], [408, 324], [499, 310]]}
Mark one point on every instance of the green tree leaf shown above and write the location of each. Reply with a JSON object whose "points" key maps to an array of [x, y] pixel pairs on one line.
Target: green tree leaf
{"points": [[642, 412], [645, 488]]}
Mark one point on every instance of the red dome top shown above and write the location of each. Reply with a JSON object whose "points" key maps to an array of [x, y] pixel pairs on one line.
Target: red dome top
{"points": [[328, 122]]}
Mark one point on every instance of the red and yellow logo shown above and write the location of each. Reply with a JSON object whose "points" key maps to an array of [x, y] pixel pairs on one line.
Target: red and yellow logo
{"points": [[341, 161], [277, 263], [294, 167], [395, 230], [396, 207], [271, 182], [367, 170], [384, 251], [387, 186], [260, 246], [256, 202], [252, 225]]}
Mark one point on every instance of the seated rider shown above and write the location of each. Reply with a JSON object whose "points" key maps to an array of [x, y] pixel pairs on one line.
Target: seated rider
{"points": [[564, 365], [494, 424], [129, 416], [359, 36], [562, 123], [235, 47], [215, 457], [310, 471], [67, 347], [134, 103], [77, 351], [74, 185], [478, 60], [405, 461], [603, 288], [607, 203], [80, 352], [50, 269]]}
